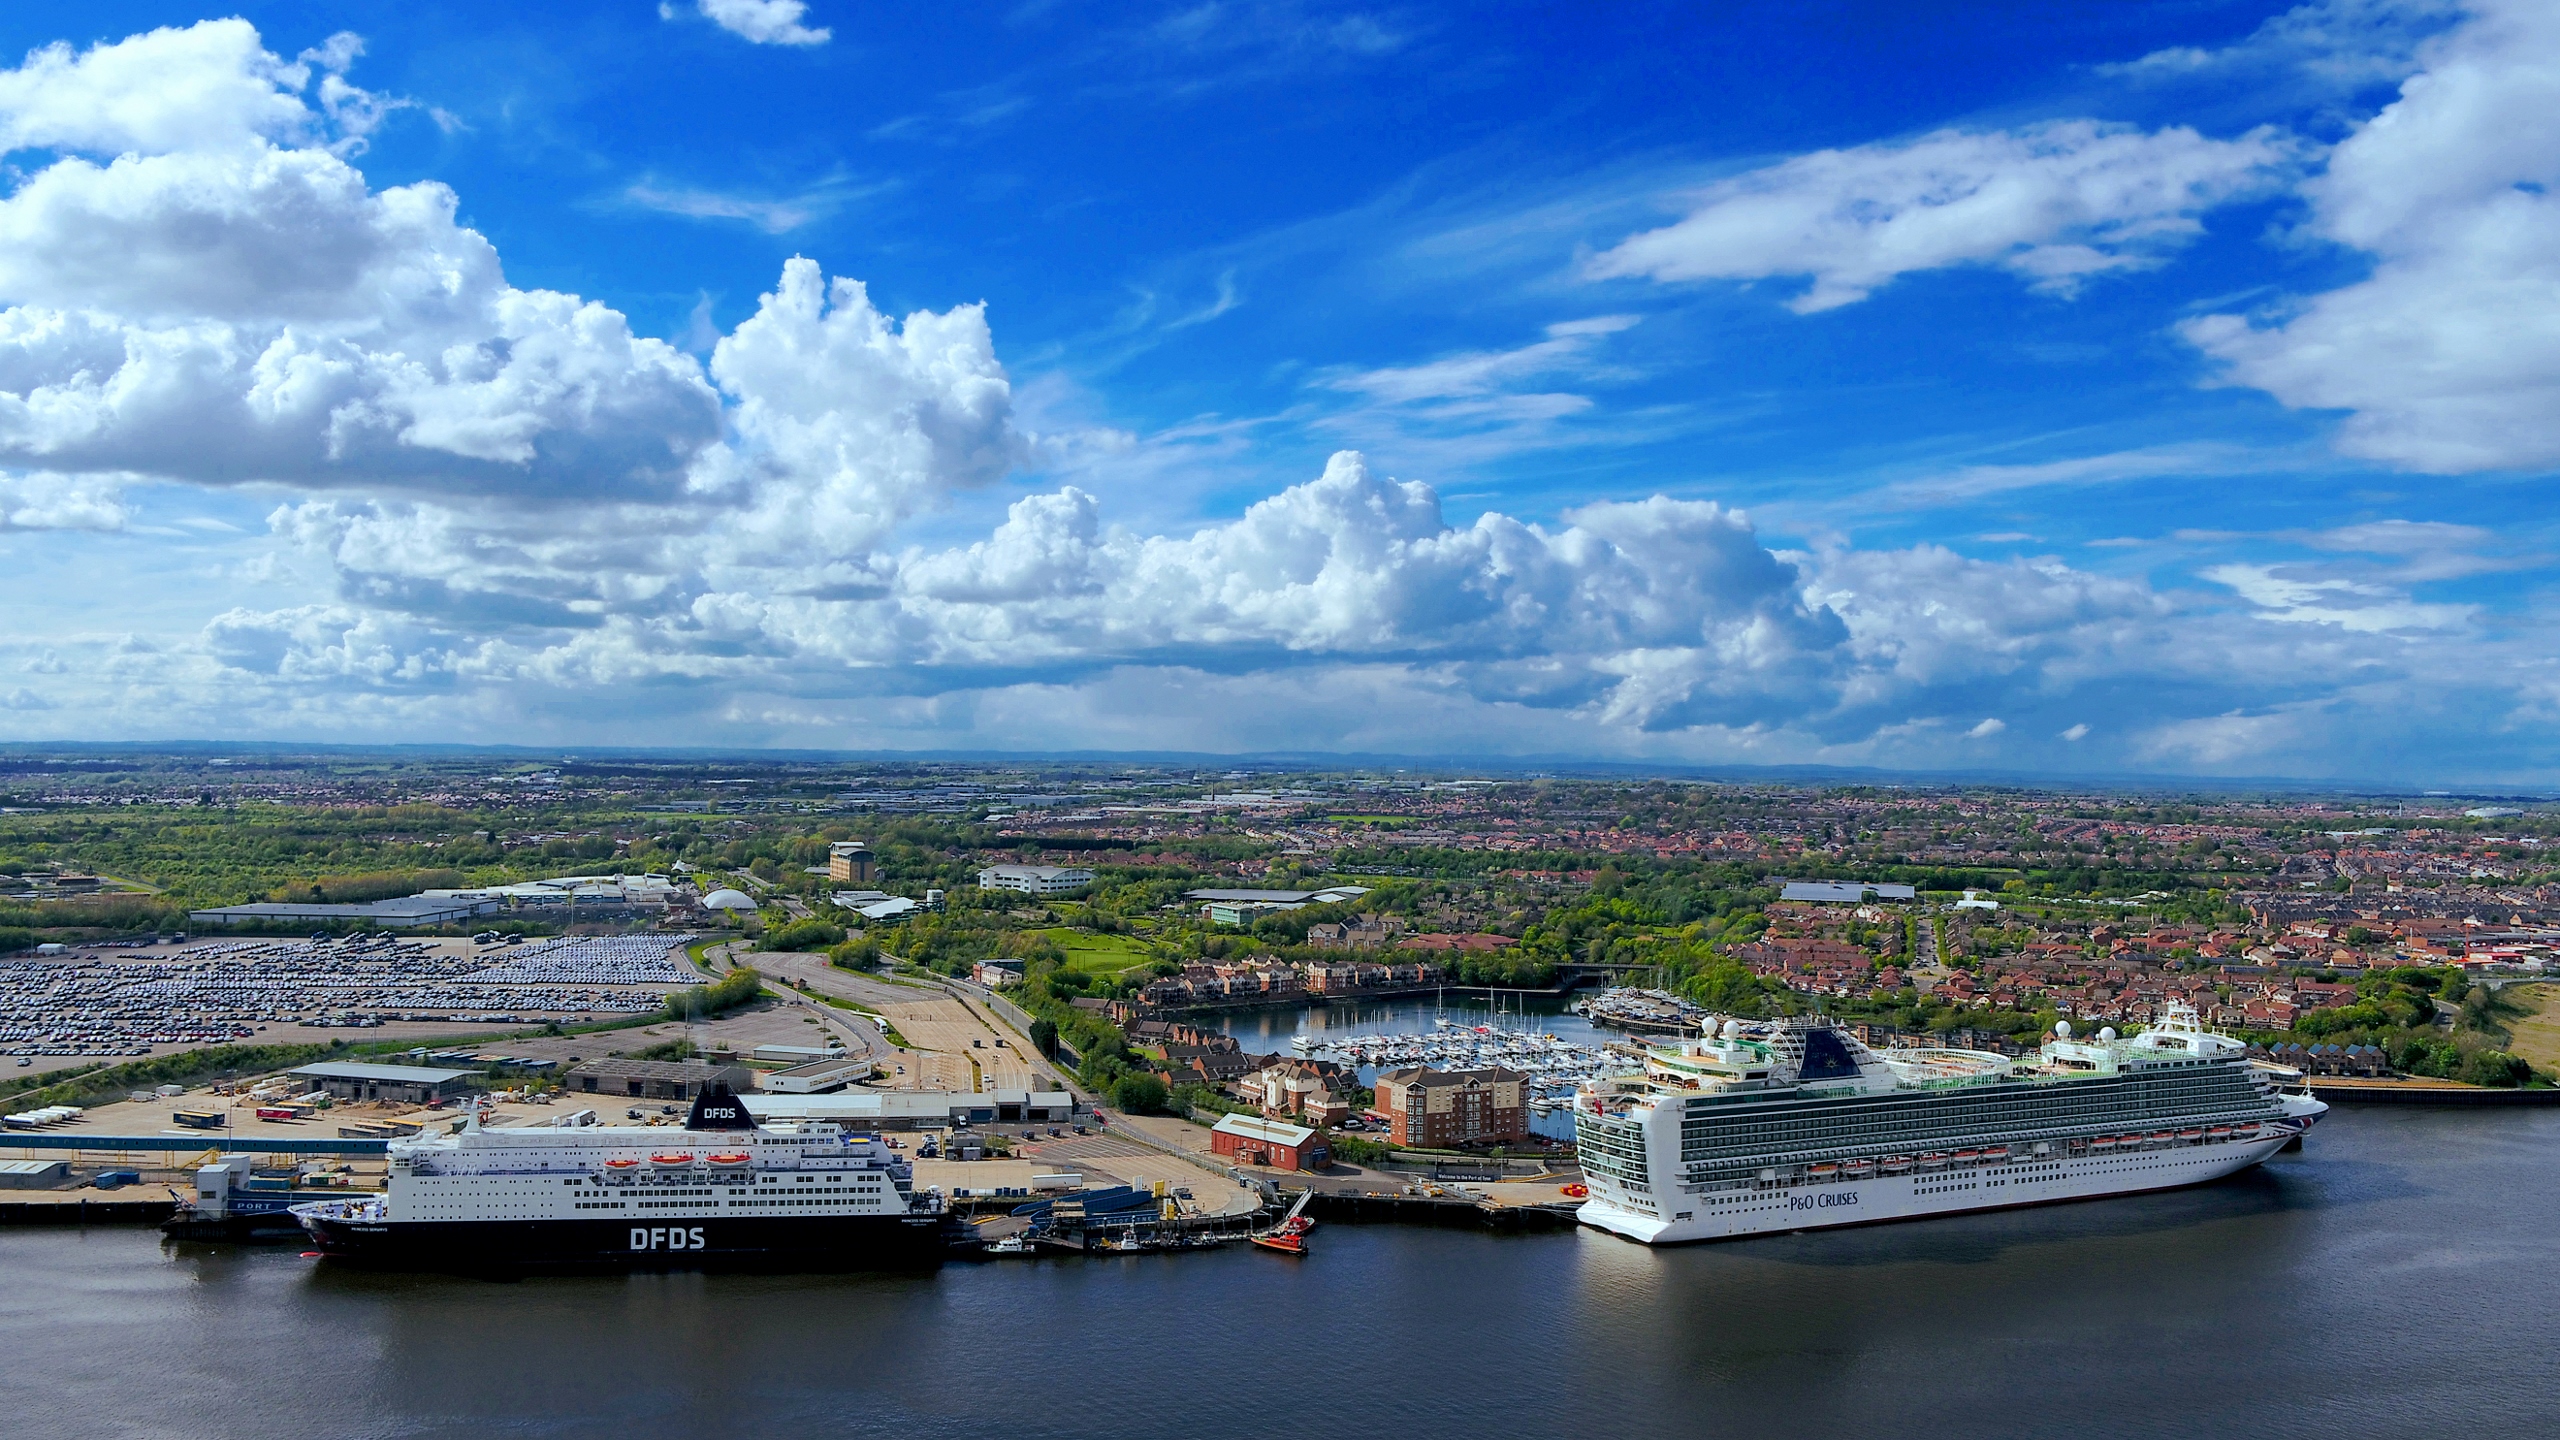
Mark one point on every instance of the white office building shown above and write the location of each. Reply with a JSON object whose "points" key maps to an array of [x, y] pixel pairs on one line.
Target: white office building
{"points": [[1035, 879]]}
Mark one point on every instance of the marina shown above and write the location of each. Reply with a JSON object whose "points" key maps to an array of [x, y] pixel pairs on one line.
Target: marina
{"points": [[1543, 1036], [1555, 1066]]}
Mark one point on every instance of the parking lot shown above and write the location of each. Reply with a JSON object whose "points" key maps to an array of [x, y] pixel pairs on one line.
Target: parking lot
{"points": [[121, 1001]]}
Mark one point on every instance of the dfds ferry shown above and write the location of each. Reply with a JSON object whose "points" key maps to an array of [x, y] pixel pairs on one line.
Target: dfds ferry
{"points": [[1788, 1127], [721, 1193]]}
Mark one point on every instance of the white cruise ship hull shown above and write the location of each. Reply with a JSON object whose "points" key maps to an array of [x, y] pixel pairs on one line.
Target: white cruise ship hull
{"points": [[1918, 1195]]}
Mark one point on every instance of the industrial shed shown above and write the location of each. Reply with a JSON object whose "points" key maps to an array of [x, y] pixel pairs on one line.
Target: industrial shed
{"points": [[657, 1079], [403, 1084]]}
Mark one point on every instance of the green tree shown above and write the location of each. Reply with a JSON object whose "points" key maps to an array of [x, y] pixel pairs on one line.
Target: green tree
{"points": [[1140, 1092]]}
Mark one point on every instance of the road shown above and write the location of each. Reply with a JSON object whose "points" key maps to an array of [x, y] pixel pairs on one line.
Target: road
{"points": [[950, 1044]]}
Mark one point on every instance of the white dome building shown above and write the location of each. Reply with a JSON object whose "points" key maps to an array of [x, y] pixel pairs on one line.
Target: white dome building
{"points": [[728, 900]]}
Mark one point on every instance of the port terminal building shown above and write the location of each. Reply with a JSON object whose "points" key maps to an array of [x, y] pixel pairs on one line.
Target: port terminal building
{"points": [[402, 1084], [655, 1079], [918, 1109]]}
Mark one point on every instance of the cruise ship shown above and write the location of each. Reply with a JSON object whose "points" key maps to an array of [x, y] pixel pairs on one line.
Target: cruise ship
{"points": [[1755, 1128], [721, 1193]]}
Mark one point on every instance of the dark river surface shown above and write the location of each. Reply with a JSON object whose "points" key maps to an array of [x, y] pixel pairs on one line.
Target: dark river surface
{"points": [[2393, 1279]]}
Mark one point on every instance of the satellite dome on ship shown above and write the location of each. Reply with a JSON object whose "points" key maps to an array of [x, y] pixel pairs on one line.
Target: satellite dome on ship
{"points": [[728, 900]]}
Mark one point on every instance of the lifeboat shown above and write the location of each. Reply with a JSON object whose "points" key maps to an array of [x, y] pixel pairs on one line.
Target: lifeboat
{"points": [[732, 1162], [2103, 1142], [1823, 1171], [670, 1162], [2246, 1132], [621, 1167], [2218, 1132], [1967, 1156], [1933, 1161], [2191, 1136], [2163, 1137], [1895, 1164], [1858, 1169]]}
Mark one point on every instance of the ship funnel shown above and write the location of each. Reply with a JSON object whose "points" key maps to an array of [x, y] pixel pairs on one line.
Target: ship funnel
{"points": [[719, 1109]]}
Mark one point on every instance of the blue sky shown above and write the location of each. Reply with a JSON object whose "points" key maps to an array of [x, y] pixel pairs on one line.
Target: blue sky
{"points": [[2163, 388]]}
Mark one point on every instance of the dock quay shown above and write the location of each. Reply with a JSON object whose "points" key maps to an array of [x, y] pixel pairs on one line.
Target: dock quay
{"points": [[1462, 1212], [2364, 1091]]}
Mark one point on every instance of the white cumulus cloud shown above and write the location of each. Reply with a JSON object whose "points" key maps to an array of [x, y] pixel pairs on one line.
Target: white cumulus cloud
{"points": [[2055, 203], [2447, 356], [762, 22], [43, 501]]}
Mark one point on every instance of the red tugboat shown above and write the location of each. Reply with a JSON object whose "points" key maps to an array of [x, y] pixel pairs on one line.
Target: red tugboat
{"points": [[1289, 1237]]}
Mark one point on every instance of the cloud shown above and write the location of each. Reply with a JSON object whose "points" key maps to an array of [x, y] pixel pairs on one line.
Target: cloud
{"points": [[2077, 733], [774, 217], [2446, 358], [43, 501], [2284, 594], [1565, 350], [2341, 43], [209, 86], [500, 513], [1975, 482], [23, 698], [2055, 203], [761, 22]]}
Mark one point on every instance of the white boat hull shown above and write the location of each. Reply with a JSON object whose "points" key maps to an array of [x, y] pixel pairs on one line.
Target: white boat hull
{"points": [[1951, 1191]]}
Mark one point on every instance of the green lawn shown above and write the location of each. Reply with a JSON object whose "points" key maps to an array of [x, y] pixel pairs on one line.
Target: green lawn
{"points": [[1098, 954]]}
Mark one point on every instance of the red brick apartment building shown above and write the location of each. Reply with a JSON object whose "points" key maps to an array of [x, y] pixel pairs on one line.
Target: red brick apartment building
{"points": [[1437, 1109]]}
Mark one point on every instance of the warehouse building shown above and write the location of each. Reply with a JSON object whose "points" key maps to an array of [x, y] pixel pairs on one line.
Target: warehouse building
{"points": [[1845, 892], [1272, 1144], [390, 914], [919, 1109], [400, 1084], [656, 1079]]}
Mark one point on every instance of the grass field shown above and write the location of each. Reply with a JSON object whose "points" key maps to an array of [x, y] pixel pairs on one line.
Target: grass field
{"points": [[2538, 1034], [1098, 954]]}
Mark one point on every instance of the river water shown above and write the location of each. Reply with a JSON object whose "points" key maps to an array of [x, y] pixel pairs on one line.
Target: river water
{"points": [[2393, 1279]]}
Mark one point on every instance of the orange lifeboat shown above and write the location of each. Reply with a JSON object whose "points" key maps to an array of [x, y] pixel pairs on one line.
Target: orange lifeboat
{"points": [[732, 1162], [2191, 1136], [2218, 1132], [1933, 1161], [1823, 1171], [622, 1166], [1967, 1157], [1896, 1164], [2103, 1142], [670, 1161]]}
